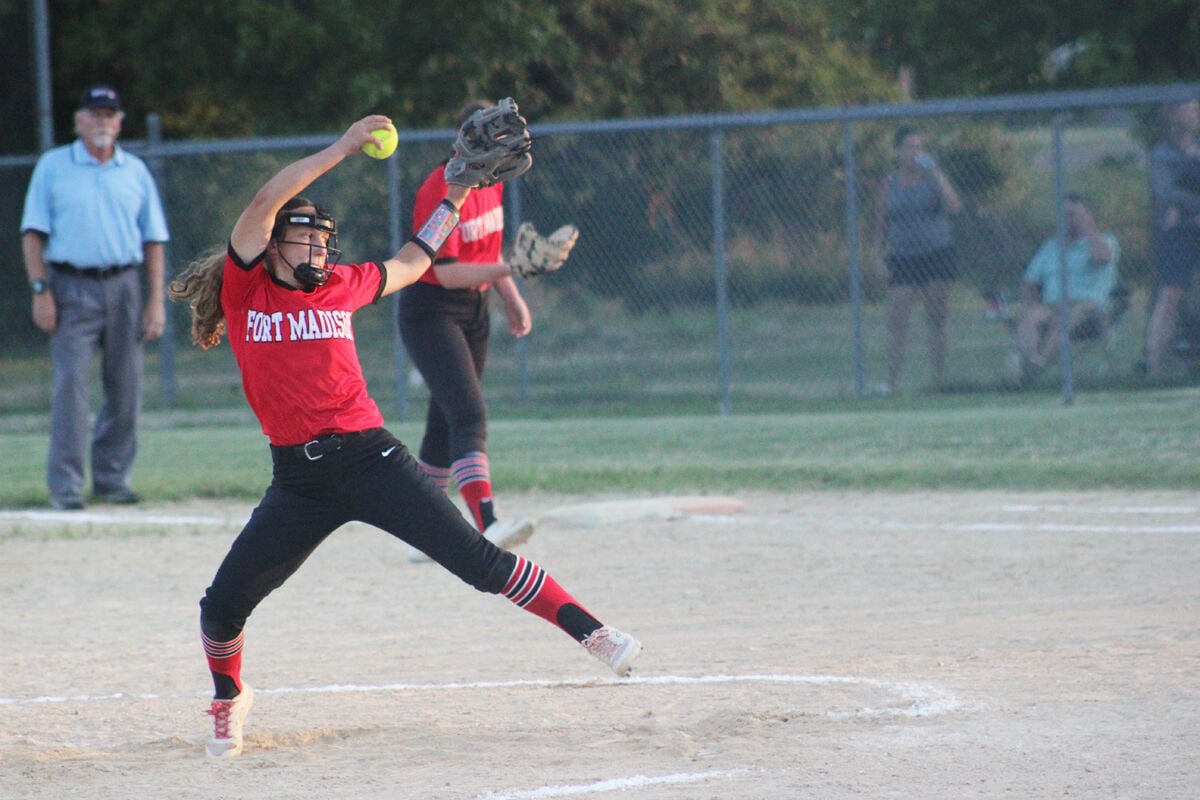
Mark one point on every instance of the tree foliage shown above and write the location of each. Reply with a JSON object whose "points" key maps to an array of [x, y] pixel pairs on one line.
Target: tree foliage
{"points": [[253, 67], [979, 47], [641, 58]]}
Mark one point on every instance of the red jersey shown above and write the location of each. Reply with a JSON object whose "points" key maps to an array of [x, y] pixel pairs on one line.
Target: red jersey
{"points": [[479, 237], [296, 352]]}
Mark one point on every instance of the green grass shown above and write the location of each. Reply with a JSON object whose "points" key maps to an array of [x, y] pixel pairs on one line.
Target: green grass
{"points": [[1132, 440]]}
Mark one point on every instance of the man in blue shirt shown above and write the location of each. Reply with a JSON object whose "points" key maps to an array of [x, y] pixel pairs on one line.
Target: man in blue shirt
{"points": [[92, 221], [1091, 262]]}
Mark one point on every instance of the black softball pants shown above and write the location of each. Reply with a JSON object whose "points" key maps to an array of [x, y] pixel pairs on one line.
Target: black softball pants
{"points": [[371, 479]]}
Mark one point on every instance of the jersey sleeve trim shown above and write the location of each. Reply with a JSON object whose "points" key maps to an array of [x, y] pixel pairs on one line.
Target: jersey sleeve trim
{"points": [[382, 281], [237, 260]]}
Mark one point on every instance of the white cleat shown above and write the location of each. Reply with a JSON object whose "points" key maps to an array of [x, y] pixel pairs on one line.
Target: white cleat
{"points": [[507, 535], [228, 716], [614, 648]]}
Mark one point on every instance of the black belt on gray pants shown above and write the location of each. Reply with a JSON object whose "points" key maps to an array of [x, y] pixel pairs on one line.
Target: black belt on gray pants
{"points": [[99, 273]]}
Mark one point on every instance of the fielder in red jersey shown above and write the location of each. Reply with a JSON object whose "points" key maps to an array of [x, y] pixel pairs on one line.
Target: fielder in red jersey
{"points": [[479, 237], [287, 307], [445, 325]]}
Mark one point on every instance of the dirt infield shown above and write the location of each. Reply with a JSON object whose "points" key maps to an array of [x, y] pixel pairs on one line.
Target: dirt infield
{"points": [[830, 645]]}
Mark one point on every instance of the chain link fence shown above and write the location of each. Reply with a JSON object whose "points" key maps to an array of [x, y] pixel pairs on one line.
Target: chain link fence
{"points": [[727, 263]]}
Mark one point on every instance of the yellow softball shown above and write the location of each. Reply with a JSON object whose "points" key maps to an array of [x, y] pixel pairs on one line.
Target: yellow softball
{"points": [[386, 139]]}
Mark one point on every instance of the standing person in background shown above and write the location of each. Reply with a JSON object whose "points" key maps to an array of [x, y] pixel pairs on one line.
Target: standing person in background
{"points": [[287, 307], [1175, 224], [913, 227], [445, 325], [92, 223]]}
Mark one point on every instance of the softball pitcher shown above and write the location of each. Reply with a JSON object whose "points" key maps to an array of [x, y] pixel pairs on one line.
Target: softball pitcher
{"points": [[287, 306]]}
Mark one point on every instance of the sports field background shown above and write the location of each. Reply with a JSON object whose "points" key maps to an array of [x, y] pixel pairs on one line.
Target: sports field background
{"points": [[960, 591], [836, 644]]}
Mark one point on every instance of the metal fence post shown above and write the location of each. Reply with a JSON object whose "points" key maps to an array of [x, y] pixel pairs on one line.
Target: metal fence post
{"points": [[716, 137], [44, 91], [513, 195], [852, 252], [168, 378], [1064, 303]]}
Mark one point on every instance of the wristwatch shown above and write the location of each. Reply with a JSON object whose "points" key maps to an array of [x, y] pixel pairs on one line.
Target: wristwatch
{"points": [[39, 286]]}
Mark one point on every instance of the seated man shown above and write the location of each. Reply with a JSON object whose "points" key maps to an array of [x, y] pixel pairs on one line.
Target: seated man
{"points": [[1091, 261]]}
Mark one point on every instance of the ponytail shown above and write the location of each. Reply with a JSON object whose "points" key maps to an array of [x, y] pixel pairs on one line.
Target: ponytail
{"points": [[200, 285]]}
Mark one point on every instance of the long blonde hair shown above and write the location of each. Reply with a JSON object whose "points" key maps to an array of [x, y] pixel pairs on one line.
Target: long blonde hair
{"points": [[200, 285]]}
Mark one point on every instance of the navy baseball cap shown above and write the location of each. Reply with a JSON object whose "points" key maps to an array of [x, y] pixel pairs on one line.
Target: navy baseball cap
{"points": [[100, 96]]}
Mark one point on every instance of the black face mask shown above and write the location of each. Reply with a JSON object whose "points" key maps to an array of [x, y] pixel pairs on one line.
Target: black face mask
{"points": [[310, 277]]}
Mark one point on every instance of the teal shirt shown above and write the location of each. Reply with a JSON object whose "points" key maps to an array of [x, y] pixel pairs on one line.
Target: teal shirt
{"points": [[94, 215], [1086, 280]]}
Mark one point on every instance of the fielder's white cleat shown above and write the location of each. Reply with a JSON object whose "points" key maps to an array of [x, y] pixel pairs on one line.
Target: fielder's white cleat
{"points": [[614, 648], [415, 556], [507, 535], [228, 716]]}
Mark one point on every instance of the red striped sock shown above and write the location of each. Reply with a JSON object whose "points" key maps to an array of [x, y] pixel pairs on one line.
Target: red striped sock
{"points": [[474, 478], [532, 589], [225, 659]]}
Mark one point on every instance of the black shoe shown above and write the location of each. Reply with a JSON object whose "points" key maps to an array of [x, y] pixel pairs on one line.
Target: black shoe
{"points": [[118, 497], [70, 503]]}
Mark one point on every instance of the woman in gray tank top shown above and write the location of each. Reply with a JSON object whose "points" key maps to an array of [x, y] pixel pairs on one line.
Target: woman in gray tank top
{"points": [[914, 230]]}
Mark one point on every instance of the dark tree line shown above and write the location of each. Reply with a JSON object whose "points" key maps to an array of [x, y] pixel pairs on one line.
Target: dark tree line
{"points": [[252, 67]]}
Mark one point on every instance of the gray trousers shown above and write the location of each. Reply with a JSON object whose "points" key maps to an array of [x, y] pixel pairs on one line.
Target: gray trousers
{"points": [[106, 315]]}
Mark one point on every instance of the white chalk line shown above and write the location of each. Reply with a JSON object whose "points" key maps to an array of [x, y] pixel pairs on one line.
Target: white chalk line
{"points": [[920, 700], [108, 518], [1069, 509], [613, 785], [179, 520], [1043, 527], [137, 518]]}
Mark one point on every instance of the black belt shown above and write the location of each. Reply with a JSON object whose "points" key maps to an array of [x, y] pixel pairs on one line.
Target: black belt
{"points": [[319, 447], [99, 273]]}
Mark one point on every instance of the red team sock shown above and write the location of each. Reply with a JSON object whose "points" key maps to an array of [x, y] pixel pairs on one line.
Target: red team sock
{"points": [[532, 589], [474, 478], [225, 660]]}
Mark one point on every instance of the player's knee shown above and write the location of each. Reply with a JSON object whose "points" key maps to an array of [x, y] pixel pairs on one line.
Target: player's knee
{"points": [[225, 613], [217, 625], [497, 568]]}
